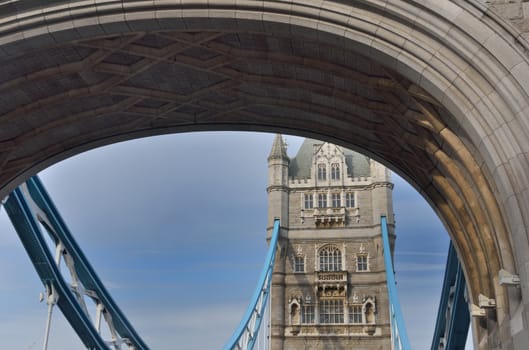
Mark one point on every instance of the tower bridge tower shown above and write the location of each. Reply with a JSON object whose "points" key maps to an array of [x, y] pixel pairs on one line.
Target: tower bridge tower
{"points": [[329, 287]]}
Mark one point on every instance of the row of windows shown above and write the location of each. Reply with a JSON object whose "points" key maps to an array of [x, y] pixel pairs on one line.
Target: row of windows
{"points": [[335, 171], [336, 200], [332, 311], [330, 259]]}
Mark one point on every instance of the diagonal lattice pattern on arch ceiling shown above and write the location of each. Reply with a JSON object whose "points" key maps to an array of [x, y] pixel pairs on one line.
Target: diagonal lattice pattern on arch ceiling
{"points": [[68, 98], [143, 84]]}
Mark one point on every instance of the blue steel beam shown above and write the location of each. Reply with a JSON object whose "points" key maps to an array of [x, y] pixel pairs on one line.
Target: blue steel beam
{"points": [[29, 232], [84, 270], [245, 335], [59, 232], [453, 317], [398, 328]]}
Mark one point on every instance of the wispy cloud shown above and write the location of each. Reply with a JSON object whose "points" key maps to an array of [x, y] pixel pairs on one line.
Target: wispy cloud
{"points": [[152, 239], [419, 253], [196, 327], [410, 267]]}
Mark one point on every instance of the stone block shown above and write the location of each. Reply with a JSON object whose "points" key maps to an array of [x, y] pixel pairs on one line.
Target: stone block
{"points": [[277, 24], [507, 142], [487, 112], [170, 19], [494, 159], [511, 10], [195, 19], [330, 34], [520, 133], [114, 23], [449, 10], [88, 27], [509, 88], [142, 21], [471, 26], [519, 165]]}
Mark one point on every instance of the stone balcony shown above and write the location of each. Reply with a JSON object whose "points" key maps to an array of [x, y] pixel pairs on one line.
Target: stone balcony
{"points": [[331, 276], [331, 283], [329, 216], [337, 330]]}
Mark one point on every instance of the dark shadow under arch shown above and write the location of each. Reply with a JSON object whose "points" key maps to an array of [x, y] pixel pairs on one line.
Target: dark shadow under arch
{"points": [[114, 75]]}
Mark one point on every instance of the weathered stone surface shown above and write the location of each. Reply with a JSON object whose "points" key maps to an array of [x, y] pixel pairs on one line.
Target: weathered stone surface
{"points": [[340, 212], [384, 77]]}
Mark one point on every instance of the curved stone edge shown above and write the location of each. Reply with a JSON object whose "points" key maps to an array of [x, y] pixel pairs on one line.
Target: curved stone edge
{"points": [[508, 75]]}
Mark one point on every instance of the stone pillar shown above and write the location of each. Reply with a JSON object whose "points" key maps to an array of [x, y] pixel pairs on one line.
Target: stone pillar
{"points": [[278, 163], [277, 300], [381, 193], [278, 202]]}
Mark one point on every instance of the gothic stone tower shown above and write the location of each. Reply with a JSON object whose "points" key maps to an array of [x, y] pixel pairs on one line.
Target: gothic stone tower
{"points": [[329, 286]]}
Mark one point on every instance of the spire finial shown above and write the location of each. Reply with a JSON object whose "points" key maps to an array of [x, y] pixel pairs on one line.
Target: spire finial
{"points": [[279, 148]]}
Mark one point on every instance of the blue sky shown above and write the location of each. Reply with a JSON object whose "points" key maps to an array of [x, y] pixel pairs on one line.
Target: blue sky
{"points": [[175, 227]]}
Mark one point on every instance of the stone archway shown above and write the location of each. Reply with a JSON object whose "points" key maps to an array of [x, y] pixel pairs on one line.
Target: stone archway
{"points": [[438, 91]]}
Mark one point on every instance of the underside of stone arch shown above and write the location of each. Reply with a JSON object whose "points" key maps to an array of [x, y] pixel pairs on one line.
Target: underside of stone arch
{"points": [[406, 84]]}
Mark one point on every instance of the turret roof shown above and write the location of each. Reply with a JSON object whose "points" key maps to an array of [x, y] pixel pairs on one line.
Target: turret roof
{"points": [[357, 164], [279, 150]]}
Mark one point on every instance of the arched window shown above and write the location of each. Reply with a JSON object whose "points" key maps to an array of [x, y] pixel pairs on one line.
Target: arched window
{"points": [[309, 204], [350, 200], [322, 172], [336, 199], [330, 259], [322, 200], [335, 171]]}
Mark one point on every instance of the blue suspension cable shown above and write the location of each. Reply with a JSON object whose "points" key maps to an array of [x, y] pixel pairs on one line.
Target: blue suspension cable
{"points": [[246, 333], [27, 206], [398, 328]]}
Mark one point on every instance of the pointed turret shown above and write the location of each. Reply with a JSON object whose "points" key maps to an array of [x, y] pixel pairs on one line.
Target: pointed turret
{"points": [[278, 204], [279, 149], [278, 163]]}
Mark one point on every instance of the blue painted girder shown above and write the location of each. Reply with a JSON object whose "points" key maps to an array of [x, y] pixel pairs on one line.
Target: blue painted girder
{"points": [[453, 319], [35, 245], [398, 327], [28, 230], [246, 333]]}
